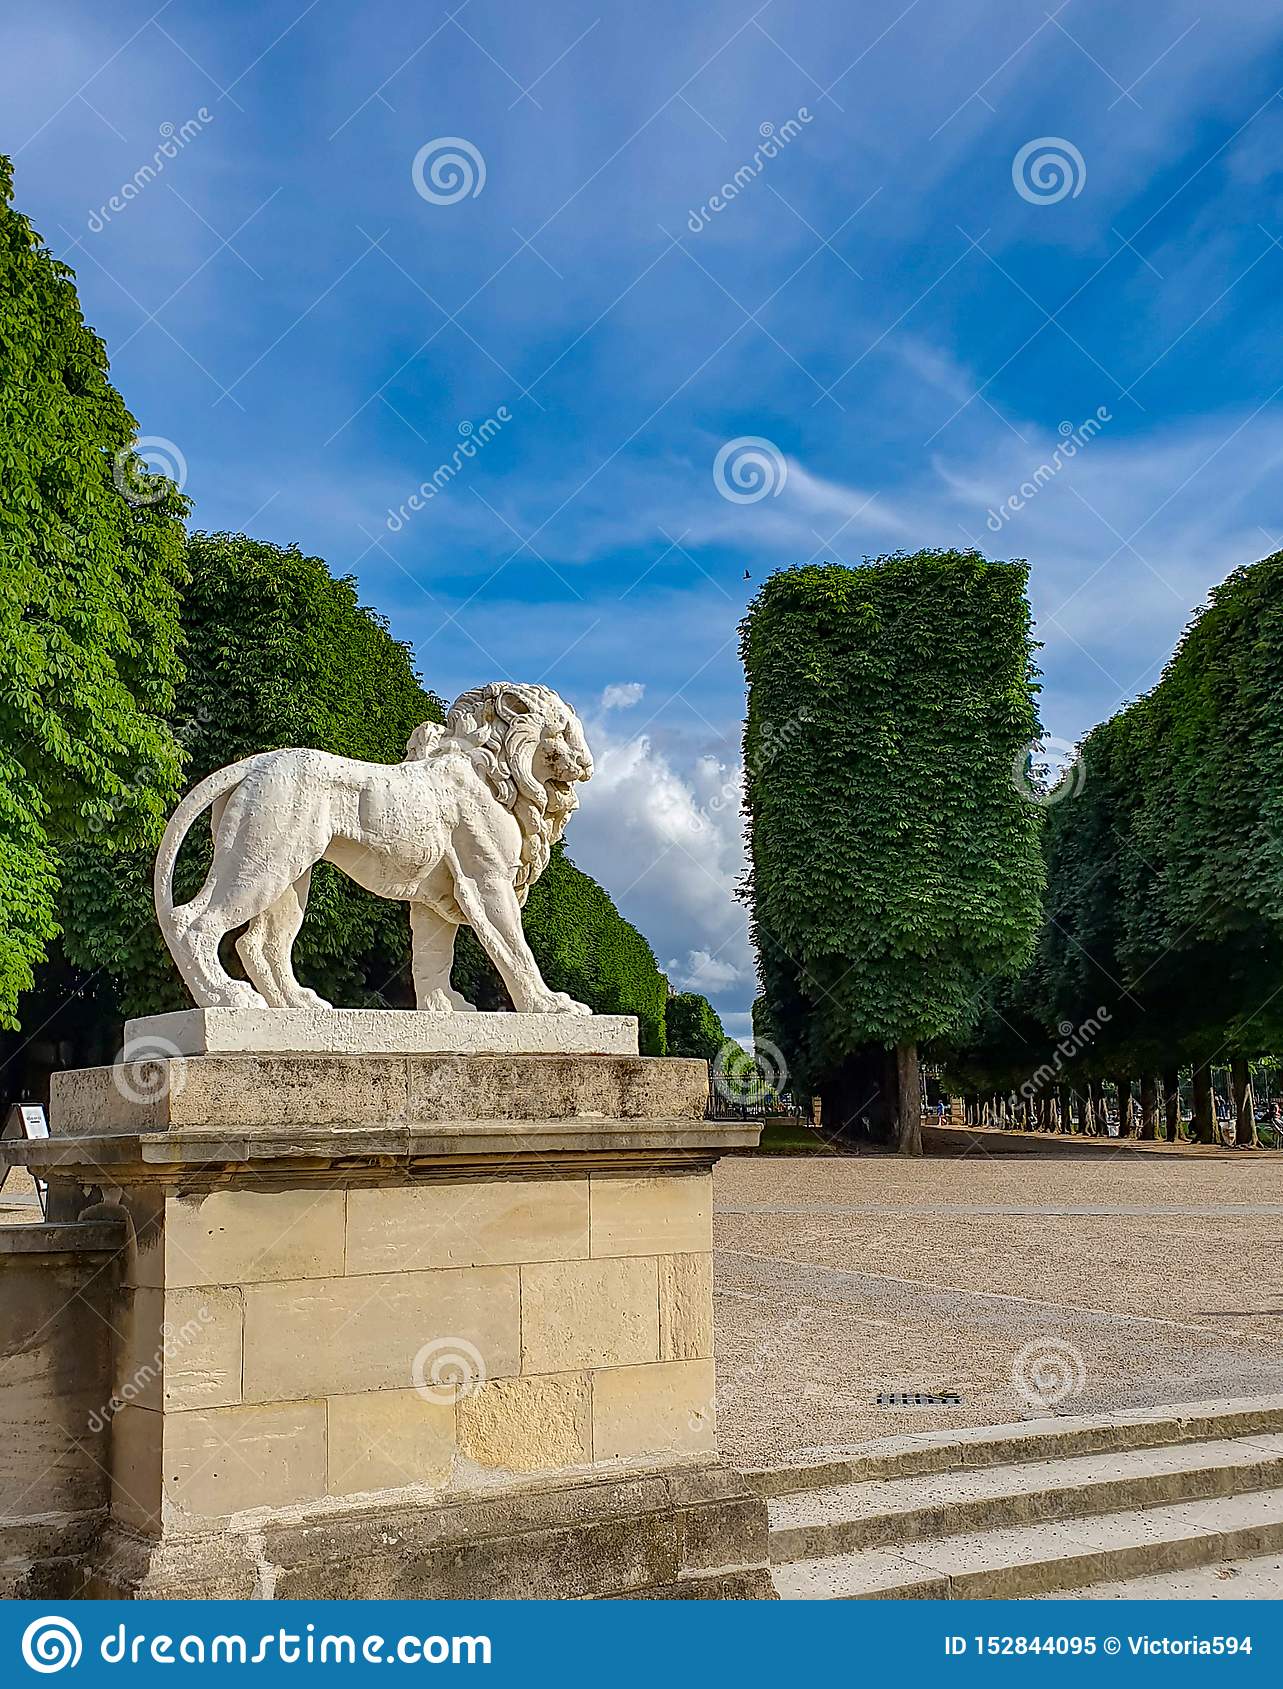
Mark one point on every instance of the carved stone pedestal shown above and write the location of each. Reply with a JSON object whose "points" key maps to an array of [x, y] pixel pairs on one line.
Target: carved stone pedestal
{"points": [[414, 1326]]}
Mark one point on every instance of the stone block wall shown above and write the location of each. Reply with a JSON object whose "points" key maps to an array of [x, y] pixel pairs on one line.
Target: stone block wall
{"points": [[56, 1292], [282, 1344]]}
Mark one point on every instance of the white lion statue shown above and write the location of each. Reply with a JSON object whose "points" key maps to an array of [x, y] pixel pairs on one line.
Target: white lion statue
{"points": [[460, 830]]}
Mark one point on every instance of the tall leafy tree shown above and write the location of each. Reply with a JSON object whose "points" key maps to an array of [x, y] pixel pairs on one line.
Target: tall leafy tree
{"points": [[90, 567], [1164, 895], [895, 861]]}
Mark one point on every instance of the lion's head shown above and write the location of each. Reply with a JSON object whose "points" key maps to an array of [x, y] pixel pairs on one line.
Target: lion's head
{"points": [[529, 745]]}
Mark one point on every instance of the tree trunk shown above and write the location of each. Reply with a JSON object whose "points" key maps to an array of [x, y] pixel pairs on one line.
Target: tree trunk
{"points": [[1045, 1122], [1206, 1127], [1148, 1106], [1244, 1105], [1172, 1104], [1084, 1113], [909, 1132], [1126, 1116], [1066, 1123], [1100, 1122]]}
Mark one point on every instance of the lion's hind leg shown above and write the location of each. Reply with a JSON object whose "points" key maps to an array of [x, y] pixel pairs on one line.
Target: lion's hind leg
{"points": [[432, 939], [266, 947]]}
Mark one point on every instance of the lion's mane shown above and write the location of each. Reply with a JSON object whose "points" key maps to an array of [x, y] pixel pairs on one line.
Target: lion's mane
{"points": [[498, 728]]}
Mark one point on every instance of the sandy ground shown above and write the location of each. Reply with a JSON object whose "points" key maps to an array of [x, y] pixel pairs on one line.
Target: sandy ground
{"points": [[1023, 1285], [19, 1204]]}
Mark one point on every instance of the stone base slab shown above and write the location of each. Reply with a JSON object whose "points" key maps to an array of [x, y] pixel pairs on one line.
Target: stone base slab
{"points": [[692, 1533], [266, 1094], [375, 1032]]}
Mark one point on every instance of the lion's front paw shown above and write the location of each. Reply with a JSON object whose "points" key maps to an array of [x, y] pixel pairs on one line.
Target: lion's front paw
{"points": [[561, 1003]]}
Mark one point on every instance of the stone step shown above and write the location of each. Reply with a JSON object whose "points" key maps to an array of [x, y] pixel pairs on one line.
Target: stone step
{"points": [[1259, 1578], [1027, 1560], [842, 1519], [1037, 1439]]}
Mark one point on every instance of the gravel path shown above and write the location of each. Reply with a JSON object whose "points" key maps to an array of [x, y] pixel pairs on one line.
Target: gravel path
{"points": [[1023, 1286]]}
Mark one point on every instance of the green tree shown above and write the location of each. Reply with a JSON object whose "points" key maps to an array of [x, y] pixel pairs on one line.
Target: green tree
{"points": [[895, 862], [1164, 902], [90, 567], [692, 1026]]}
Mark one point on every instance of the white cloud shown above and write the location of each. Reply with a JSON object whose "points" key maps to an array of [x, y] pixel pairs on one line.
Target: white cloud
{"points": [[666, 841], [702, 972], [623, 695]]}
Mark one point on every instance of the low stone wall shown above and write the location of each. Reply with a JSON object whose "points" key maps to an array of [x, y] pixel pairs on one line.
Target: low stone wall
{"points": [[57, 1284]]}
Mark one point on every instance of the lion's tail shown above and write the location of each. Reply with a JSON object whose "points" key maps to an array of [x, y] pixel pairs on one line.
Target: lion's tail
{"points": [[201, 796]]}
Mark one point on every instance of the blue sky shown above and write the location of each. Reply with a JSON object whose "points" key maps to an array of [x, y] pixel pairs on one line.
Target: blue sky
{"points": [[908, 318]]}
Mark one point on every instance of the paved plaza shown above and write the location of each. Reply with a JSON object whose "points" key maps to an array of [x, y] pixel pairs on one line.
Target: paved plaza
{"points": [[1122, 1281]]}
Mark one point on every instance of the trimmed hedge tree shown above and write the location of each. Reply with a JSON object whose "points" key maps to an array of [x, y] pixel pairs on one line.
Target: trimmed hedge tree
{"points": [[1164, 904], [692, 1026], [895, 861]]}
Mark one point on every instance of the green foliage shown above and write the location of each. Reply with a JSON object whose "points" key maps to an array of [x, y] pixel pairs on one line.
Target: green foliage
{"points": [[895, 864], [692, 1026], [278, 652], [1165, 872], [88, 601], [583, 945]]}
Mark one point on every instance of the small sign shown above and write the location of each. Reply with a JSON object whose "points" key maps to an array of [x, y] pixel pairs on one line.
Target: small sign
{"points": [[26, 1121], [32, 1116]]}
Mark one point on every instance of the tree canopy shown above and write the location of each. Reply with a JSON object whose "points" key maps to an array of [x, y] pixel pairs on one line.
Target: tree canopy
{"points": [[1164, 899], [895, 861], [91, 564], [692, 1026]]}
